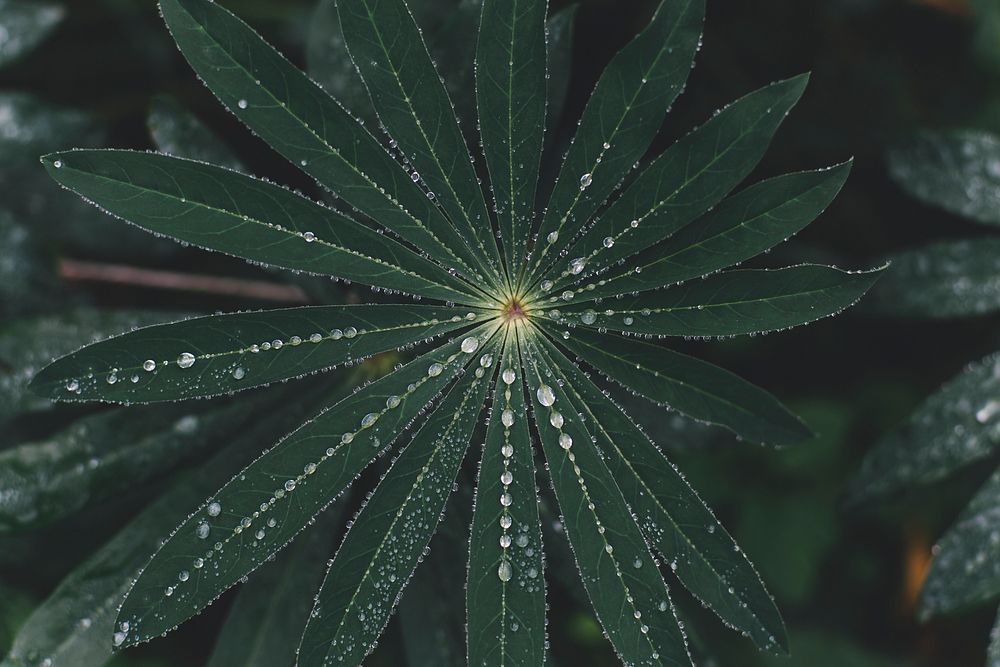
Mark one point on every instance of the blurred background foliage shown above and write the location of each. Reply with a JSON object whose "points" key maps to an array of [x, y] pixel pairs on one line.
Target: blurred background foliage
{"points": [[846, 579]]}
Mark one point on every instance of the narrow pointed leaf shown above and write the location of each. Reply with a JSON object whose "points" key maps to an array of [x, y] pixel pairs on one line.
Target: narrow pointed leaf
{"points": [[75, 626], [621, 119], [176, 131], [208, 356], [223, 210], [260, 510], [691, 386], [732, 303], [27, 345], [958, 171], [25, 25], [413, 105], [965, 571], [266, 618], [102, 455], [304, 124], [741, 227], [619, 573], [687, 179], [387, 539], [674, 519], [506, 589], [510, 90], [941, 280], [955, 426]]}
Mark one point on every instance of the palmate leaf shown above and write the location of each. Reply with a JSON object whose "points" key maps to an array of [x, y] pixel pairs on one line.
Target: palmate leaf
{"points": [[958, 171], [520, 289], [941, 280], [955, 426], [673, 518], [208, 356]]}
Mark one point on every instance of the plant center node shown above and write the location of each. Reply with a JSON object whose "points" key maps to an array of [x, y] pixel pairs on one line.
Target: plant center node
{"points": [[513, 309]]}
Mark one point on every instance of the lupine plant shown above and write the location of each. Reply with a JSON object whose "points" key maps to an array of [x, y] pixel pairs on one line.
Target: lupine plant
{"points": [[530, 308], [958, 425]]}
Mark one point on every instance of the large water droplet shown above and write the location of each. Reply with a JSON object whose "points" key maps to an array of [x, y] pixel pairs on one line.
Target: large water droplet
{"points": [[504, 571], [507, 418], [577, 265], [585, 181], [470, 345], [148, 365], [435, 369], [545, 395], [509, 376], [185, 360]]}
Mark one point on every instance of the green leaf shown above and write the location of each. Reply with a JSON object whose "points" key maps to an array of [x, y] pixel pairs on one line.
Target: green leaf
{"points": [[955, 426], [621, 119], [685, 181], [510, 90], [101, 456], [260, 510], [223, 210], [741, 227], [27, 345], [267, 617], [619, 573], [329, 64], [208, 356], [24, 26], [958, 171], [176, 131], [414, 107], [965, 571], [75, 626], [386, 540], [732, 303], [506, 590], [691, 386], [941, 280], [304, 124], [559, 45], [33, 127], [672, 516]]}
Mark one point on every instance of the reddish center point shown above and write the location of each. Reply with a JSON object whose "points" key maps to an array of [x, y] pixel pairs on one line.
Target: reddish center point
{"points": [[514, 310]]}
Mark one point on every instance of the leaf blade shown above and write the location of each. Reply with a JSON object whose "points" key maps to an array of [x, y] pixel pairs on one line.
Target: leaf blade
{"points": [[733, 303], [236, 351], [506, 614], [239, 215], [510, 93]]}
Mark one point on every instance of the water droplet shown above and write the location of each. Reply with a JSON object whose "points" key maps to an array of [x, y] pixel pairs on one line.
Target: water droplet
{"points": [[202, 530], [470, 345], [73, 385], [608, 241], [507, 418], [369, 419], [506, 521], [350, 332], [509, 376], [290, 485], [565, 440], [435, 369], [392, 402], [585, 181], [184, 575], [186, 360], [57, 164], [315, 338], [507, 451], [576, 266], [552, 237], [504, 571], [347, 438], [588, 317], [506, 478], [239, 373], [214, 509], [148, 365], [545, 395], [556, 419], [506, 500], [242, 104], [309, 237]]}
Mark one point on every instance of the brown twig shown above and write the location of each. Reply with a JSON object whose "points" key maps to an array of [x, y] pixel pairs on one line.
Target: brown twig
{"points": [[72, 269]]}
